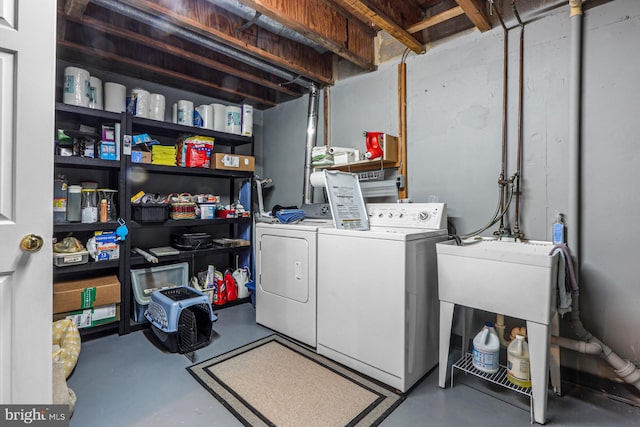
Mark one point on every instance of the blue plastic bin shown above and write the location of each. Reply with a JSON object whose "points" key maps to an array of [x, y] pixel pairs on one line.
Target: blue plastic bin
{"points": [[252, 291]]}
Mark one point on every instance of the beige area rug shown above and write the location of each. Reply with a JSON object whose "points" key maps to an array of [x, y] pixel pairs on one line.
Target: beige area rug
{"points": [[275, 382]]}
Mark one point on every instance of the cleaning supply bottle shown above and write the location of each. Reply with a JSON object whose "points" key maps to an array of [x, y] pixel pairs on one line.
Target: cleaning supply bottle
{"points": [[558, 230], [518, 371], [374, 143], [486, 349]]}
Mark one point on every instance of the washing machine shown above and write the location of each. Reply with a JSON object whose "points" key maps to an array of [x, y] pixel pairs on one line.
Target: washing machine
{"points": [[286, 270], [378, 306]]}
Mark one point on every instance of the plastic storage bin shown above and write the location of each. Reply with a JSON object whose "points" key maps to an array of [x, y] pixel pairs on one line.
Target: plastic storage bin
{"points": [[145, 280], [150, 213], [252, 291], [72, 258]]}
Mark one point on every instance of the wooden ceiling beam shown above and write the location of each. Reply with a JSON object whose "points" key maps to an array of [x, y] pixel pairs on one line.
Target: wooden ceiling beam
{"points": [[206, 19], [324, 26], [75, 8], [475, 12], [380, 12], [178, 52], [435, 19], [93, 52]]}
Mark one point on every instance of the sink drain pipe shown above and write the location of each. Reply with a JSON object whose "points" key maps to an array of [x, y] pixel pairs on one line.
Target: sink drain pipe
{"points": [[586, 343]]}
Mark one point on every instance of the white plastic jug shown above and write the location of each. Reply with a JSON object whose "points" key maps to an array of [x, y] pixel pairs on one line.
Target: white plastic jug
{"points": [[518, 371], [241, 275], [486, 349]]}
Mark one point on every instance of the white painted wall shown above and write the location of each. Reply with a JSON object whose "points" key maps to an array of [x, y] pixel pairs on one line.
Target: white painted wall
{"points": [[454, 95]]}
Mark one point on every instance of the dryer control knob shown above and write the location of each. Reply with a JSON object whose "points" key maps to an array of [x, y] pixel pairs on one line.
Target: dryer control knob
{"points": [[423, 216], [390, 215]]}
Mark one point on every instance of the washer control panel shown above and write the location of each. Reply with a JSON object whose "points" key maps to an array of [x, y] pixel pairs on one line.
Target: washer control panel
{"points": [[409, 215]]}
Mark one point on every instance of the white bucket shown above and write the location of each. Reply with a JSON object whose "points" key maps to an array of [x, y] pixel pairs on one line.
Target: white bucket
{"points": [[77, 87], [115, 97], [234, 119], [247, 120], [185, 113], [156, 106], [140, 100], [518, 371], [219, 117], [203, 117], [95, 93], [486, 350]]}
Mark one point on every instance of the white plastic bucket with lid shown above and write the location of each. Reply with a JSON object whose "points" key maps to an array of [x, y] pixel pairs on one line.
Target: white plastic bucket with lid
{"points": [[156, 106], [203, 116], [115, 97], [247, 120], [518, 371], [95, 88], [234, 119], [486, 350], [185, 113], [219, 117], [140, 99], [77, 87]]}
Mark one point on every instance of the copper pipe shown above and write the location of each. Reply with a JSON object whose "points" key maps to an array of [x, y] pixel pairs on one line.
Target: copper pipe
{"points": [[516, 228], [501, 180]]}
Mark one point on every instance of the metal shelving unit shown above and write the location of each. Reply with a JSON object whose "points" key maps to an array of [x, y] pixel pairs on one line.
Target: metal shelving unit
{"points": [[465, 364], [117, 175]]}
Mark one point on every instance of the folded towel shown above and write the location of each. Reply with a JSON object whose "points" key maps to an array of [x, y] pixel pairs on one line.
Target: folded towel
{"points": [[289, 216], [567, 284]]}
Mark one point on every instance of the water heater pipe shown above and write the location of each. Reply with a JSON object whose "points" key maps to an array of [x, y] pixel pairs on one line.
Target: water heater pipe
{"points": [[312, 134]]}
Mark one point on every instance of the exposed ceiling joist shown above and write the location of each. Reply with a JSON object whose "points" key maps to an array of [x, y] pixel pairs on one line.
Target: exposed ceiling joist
{"points": [[179, 52], [435, 19], [475, 12], [93, 52], [75, 8], [380, 12], [325, 27], [201, 17]]}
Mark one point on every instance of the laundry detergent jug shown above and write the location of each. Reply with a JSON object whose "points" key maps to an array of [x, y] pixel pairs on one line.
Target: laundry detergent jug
{"points": [[486, 349], [518, 371]]}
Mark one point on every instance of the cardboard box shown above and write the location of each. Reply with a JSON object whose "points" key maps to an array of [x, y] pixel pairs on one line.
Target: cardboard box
{"points": [[234, 162], [390, 148], [140, 156], [86, 293], [91, 317], [107, 247], [108, 150]]}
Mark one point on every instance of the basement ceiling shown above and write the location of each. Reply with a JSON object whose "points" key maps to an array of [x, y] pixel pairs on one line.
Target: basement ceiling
{"points": [[259, 52]]}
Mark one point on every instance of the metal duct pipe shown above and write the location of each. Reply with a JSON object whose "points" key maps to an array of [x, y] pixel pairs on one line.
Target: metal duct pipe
{"points": [[312, 134], [193, 37], [239, 9], [575, 112]]}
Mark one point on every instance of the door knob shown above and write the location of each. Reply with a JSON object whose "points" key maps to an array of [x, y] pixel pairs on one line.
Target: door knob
{"points": [[31, 243]]}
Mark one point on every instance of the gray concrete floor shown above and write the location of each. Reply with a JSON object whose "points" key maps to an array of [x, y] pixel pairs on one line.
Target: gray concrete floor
{"points": [[128, 381]]}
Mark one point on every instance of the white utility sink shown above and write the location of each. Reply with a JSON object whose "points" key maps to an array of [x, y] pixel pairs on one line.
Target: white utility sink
{"points": [[517, 279]]}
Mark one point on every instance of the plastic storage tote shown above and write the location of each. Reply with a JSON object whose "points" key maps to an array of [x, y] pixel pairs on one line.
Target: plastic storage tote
{"points": [[146, 280]]}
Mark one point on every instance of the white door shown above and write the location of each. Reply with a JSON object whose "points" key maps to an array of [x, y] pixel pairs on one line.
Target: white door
{"points": [[27, 85]]}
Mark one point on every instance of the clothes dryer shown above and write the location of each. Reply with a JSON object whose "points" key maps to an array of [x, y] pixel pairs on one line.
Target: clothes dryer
{"points": [[286, 269], [378, 293]]}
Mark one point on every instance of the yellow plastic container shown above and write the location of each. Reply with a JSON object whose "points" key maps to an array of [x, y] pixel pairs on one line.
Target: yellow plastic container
{"points": [[518, 371]]}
